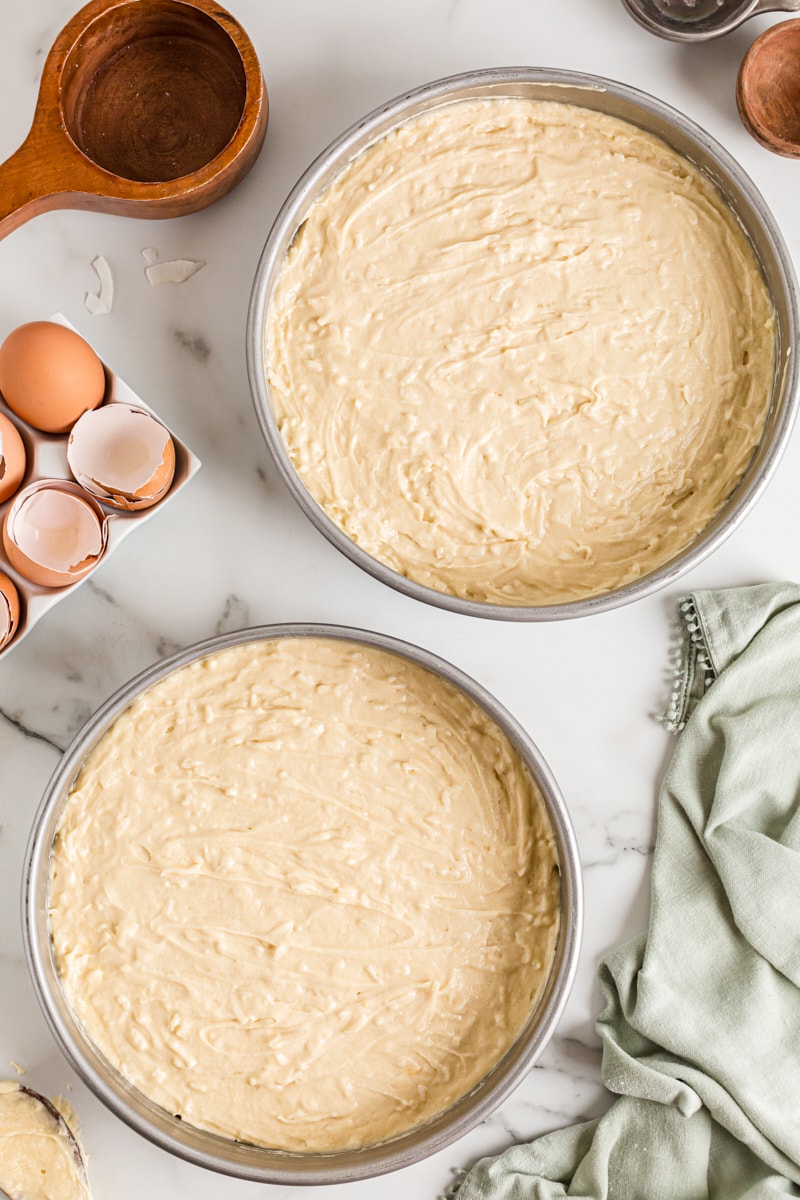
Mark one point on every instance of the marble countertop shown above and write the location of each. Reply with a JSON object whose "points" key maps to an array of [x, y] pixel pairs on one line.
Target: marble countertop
{"points": [[233, 549]]}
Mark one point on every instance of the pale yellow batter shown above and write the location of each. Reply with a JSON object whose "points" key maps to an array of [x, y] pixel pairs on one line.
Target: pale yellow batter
{"points": [[304, 894], [39, 1157], [520, 351]]}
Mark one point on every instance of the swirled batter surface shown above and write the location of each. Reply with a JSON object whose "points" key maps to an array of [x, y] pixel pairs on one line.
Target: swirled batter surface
{"points": [[520, 351], [304, 894], [39, 1157]]}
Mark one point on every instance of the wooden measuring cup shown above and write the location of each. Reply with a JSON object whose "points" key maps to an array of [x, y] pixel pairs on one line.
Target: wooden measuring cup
{"points": [[147, 108], [768, 89]]}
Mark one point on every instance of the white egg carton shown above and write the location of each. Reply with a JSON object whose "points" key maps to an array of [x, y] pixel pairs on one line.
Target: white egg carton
{"points": [[47, 459]]}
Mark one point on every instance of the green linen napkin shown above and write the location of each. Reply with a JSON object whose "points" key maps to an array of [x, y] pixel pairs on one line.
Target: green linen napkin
{"points": [[701, 1025]]}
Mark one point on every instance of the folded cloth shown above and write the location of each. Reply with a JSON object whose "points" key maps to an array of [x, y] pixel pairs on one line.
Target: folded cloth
{"points": [[701, 1025]]}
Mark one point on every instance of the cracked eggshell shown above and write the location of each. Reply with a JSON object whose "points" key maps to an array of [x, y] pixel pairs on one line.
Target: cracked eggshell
{"points": [[13, 458], [54, 534], [50, 376], [9, 609], [122, 455]]}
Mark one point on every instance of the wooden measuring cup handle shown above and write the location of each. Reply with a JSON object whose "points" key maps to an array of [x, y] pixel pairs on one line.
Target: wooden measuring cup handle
{"points": [[32, 181]]}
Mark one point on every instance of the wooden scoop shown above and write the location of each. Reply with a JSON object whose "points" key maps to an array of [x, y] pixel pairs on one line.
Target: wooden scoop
{"points": [[147, 108], [768, 89]]}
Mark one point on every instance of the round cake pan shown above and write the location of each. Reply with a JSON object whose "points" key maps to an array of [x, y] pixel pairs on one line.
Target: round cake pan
{"points": [[615, 99], [222, 1154]]}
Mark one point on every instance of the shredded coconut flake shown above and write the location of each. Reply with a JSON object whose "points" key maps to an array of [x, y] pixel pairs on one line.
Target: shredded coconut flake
{"points": [[176, 270], [100, 304]]}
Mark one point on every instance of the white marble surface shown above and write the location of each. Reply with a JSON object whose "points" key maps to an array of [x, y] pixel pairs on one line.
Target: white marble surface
{"points": [[233, 549]]}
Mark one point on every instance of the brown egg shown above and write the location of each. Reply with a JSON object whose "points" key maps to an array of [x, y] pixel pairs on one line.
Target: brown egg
{"points": [[50, 376], [9, 609], [54, 534], [12, 458], [122, 455]]}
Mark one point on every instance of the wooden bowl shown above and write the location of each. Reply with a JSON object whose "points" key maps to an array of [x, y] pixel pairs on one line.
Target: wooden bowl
{"points": [[147, 108], [768, 89]]}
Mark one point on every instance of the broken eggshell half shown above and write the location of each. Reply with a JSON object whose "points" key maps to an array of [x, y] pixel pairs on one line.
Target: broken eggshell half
{"points": [[9, 609], [122, 455], [13, 458], [54, 534]]}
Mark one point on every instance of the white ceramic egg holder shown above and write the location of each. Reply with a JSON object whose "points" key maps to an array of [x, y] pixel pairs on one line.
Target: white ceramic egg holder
{"points": [[47, 459]]}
